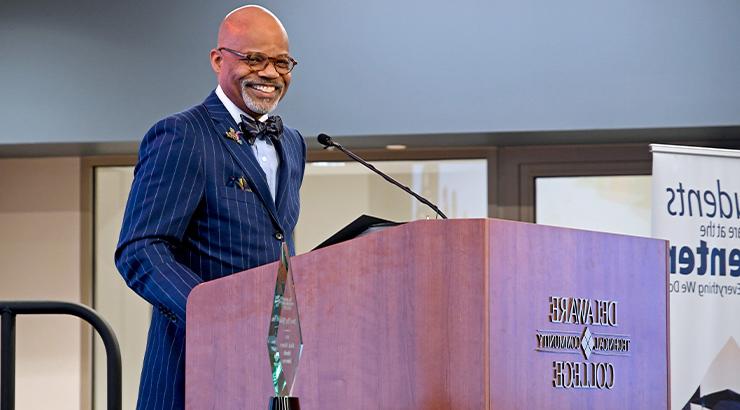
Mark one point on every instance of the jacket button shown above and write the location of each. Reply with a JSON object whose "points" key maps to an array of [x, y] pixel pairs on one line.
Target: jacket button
{"points": [[279, 236]]}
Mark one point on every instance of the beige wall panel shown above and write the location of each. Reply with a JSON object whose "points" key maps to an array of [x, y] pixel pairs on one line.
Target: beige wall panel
{"points": [[40, 260], [328, 202], [334, 194], [126, 312]]}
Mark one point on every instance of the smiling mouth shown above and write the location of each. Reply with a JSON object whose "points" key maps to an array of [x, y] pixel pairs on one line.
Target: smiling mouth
{"points": [[264, 88]]}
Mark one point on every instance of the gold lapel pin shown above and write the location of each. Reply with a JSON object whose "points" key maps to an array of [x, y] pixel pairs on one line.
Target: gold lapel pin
{"points": [[234, 135]]}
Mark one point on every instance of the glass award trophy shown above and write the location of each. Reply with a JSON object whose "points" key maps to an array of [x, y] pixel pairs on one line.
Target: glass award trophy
{"points": [[284, 340]]}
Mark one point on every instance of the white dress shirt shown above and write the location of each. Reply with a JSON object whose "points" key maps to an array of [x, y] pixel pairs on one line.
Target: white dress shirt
{"points": [[263, 150]]}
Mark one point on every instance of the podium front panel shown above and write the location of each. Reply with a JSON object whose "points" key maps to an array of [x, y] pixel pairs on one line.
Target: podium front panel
{"points": [[393, 320], [454, 314], [578, 319]]}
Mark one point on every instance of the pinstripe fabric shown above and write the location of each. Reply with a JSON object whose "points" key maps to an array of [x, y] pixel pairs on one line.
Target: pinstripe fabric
{"points": [[187, 222]]}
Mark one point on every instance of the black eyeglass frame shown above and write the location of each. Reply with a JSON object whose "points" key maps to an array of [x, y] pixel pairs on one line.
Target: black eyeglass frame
{"points": [[244, 57]]}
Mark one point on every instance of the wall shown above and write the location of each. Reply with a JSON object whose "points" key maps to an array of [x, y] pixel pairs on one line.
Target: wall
{"points": [[127, 313], [333, 196], [84, 70], [40, 260]]}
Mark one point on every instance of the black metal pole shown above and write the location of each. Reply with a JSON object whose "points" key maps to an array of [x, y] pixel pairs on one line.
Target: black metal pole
{"points": [[112, 351], [7, 360]]}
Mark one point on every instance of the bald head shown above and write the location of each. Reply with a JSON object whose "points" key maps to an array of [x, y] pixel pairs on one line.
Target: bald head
{"points": [[251, 30], [240, 22]]}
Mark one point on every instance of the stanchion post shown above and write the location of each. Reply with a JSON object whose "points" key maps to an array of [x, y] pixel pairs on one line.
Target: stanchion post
{"points": [[7, 360]]}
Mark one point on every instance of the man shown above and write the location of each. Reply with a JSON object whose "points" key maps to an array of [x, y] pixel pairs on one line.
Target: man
{"points": [[215, 192]]}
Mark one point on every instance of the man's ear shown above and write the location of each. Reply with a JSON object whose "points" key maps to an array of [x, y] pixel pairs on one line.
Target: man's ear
{"points": [[216, 59]]}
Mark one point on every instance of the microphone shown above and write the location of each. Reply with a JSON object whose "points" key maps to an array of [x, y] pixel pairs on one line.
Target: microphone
{"points": [[327, 142]]}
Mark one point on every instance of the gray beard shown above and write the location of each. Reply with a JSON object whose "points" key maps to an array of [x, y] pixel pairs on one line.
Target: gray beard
{"points": [[258, 107]]}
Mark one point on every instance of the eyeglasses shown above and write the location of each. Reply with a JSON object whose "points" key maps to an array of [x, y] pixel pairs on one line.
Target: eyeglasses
{"points": [[258, 61]]}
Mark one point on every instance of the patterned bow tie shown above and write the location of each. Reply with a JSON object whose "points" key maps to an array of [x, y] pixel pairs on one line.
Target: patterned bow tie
{"points": [[271, 129]]}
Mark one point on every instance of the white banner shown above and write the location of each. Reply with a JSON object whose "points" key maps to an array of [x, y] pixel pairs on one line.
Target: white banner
{"points": [[696, 206]]}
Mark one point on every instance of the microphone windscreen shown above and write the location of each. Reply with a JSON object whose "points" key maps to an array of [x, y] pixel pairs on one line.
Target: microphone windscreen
{"points": [[325, 140]]}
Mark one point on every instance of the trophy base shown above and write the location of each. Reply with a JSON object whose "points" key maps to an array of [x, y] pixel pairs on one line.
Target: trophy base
{"points": [[284, 403]]}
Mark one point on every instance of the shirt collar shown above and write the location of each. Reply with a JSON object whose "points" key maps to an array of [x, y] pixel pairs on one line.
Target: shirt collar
{"points": [[235, 111]]}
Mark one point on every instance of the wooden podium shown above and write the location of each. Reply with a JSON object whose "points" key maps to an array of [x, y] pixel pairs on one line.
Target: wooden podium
{"points": [[453, 314]]}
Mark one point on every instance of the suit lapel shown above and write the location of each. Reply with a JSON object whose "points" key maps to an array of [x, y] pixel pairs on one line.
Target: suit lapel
{"points": [[282, 179], [242, 153]]}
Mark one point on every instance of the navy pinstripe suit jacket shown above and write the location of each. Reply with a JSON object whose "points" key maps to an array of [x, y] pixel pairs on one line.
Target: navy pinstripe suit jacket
{"points": [[187, 221]]}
